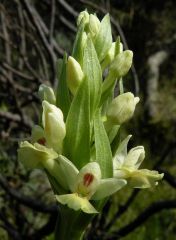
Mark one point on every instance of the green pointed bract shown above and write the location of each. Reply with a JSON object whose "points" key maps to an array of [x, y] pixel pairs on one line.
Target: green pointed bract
{"points": [[69, 170], [103, 39], [78, 47], [92, 71], [46, 93], [102, 147], [54, 126], [35, 156], [77, 140], [62, 94], [109, 57]]}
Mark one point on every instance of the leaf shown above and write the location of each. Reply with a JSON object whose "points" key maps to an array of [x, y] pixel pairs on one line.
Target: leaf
{"points": [[103, 40], [77, 140], [92, 70], [102, 145], [62, 95]]}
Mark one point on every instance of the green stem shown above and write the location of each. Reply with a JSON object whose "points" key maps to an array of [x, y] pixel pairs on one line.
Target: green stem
{"points": [[66, 227], [121, 86]]}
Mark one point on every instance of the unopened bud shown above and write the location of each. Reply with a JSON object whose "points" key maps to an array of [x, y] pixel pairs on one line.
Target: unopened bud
{"points": [[54, 126], [83, 18], [47, 93], [121, 64], [122, 108], [74, 75], [94, 25]]}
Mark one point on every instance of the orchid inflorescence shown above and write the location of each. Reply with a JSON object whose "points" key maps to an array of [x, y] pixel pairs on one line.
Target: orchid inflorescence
{"points": [[77, 142]]}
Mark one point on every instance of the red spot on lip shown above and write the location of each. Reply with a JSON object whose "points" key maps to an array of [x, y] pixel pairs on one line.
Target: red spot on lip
{"points": [[88, 178], [42, 141]]}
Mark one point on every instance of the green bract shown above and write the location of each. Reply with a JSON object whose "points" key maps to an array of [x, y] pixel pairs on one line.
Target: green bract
{"points": [[77, 142]]}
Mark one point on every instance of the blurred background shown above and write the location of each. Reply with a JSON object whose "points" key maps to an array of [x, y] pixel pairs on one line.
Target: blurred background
{"points": [[33, 35]]}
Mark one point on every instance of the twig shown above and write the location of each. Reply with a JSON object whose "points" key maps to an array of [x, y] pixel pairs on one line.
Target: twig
{"points": [[122, 209], [30, 11], [15, 118], [27, 201], [53, 12], [68, 7], [153, 209]]}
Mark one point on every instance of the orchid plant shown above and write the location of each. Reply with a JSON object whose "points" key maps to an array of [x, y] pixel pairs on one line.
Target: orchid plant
{"points": [[76, 141]]}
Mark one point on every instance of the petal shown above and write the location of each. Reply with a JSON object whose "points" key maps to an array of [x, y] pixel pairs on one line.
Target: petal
{"points": [[135, 157], [121, 153], [107, 187], [69, 170], [33, 156], [88, 179], [145, 178], [77, 203]]}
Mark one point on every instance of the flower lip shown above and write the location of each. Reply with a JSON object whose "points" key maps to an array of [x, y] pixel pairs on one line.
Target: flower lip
{"points": [[88, 179], [42, 141]]}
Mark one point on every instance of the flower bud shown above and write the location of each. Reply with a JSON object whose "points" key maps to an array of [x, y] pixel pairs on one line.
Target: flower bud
{"points": [[47, 93], [74, 74], [83, 18], [54, 126], [121, 109], [121, 64], [94, 25]]}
